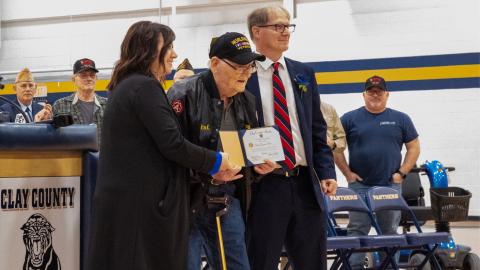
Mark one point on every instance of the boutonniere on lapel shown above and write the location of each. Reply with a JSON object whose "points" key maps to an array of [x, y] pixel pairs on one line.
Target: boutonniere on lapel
{"points": [[302, 83]]}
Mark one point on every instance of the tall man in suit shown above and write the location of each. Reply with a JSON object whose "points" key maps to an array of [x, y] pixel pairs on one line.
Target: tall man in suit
{"points": [[25, 89], [287, 204]]}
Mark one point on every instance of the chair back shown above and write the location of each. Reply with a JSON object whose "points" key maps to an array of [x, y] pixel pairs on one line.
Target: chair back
{"points": [[386, 198], [345, 199]]}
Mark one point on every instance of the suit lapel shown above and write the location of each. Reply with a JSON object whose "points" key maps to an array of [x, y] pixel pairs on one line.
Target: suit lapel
{"points": [[252, 87], [299, 103], [304, 111], [14, 110]]}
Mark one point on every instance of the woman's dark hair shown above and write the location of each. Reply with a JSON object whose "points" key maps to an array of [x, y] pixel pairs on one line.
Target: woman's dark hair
{"points": [[139, 50]]}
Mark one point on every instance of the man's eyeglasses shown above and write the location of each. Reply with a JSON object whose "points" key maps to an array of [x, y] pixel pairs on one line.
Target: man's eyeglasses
{"points": [[377, 92], [250, 68], [281, 27], [26, 85], [87, 75]]}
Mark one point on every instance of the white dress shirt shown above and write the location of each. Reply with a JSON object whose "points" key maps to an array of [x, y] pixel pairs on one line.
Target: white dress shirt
{"points": [[264, 73]]}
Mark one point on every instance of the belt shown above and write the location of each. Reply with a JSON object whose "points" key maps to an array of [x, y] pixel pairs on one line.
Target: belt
{"points": [[218, 200], [286, 172]]}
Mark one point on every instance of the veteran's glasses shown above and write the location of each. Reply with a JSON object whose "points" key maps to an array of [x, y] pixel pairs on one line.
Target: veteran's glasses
{"points": [[26, 85], [87, 75], [376, 92], [250, 68]]}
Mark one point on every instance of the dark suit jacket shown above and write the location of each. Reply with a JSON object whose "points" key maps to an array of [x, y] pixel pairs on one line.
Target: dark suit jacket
{"points": [[312, 124], [12, 111]]}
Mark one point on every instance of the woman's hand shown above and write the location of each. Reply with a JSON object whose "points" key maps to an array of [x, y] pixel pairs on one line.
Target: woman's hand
{"points": [[44, 114]]}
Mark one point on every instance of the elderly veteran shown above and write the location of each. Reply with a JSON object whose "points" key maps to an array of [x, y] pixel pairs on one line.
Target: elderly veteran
{"points": [[25, 89], [206, 103]]}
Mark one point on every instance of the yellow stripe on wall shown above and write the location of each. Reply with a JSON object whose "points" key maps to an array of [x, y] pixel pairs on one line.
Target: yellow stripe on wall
{"points": [[58, 87], [400, 74], [335, 77], [68, 86]]}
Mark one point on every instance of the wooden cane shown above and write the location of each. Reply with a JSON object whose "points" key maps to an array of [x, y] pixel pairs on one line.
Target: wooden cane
{"points": [[220, 237], [223, 200]]}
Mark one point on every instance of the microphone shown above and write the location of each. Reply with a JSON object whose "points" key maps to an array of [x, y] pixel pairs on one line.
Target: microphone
{"points": [[59, 120]]}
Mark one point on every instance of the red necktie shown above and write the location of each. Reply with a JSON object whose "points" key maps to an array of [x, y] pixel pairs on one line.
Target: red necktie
{"points": [[282, 119]]}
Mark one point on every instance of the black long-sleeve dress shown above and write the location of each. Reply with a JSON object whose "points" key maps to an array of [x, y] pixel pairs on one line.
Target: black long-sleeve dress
{"points": [[140, 216]]}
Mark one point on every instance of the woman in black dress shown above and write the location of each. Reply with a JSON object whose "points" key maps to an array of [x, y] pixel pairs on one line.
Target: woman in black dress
{"points": [[140, 217]]}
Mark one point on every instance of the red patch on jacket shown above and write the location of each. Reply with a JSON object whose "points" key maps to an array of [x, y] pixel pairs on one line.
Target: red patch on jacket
{"points": [[177, 106]]}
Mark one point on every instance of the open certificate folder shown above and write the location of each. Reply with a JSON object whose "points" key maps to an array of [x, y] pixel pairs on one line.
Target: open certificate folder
{"points": [[253, 146]]}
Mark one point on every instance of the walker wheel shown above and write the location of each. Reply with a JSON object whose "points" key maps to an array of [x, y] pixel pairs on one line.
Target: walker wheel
{"points": [[471, 262]]}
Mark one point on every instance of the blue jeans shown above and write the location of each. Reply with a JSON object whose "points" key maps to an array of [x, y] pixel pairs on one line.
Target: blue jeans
{"points": [[204, 237], [359, 223]]}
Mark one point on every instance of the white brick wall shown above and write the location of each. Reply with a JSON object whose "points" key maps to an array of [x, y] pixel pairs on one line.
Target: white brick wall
{"points": [[447, 120]]}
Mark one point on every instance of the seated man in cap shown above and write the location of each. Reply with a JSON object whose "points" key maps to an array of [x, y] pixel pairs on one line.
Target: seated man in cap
{"points": [[84, 105], [206, 103], [183, 71], [25, 89]]}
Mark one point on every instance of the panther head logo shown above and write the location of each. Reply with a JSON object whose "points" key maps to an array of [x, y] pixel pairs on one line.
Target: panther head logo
{"points": [[37, 237]]}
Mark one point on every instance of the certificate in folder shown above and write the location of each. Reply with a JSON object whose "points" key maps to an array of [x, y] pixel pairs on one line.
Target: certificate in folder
{"points": [[253, 146]]}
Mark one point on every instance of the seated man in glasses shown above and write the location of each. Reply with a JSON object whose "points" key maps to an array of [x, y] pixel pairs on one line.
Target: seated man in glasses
{"points": [[375, 137], [206, 103], [84, 105], [25, 89]]}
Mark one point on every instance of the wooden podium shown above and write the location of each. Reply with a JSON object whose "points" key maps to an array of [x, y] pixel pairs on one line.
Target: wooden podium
{"points": [[47, 178]]}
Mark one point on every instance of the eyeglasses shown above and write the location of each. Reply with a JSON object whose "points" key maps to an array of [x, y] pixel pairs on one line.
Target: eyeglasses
{"points": [[250, 68], [26, 85], [281, 27], [377, 92], [85, 76]]}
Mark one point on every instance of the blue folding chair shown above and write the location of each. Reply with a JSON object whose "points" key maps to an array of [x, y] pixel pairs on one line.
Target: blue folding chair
{"points": [[338, 246], [342, 247], [348, 200], [385, 198]]}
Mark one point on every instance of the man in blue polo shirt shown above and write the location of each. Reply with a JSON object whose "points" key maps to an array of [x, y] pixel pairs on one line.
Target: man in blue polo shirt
{"points": [[375, 137]]}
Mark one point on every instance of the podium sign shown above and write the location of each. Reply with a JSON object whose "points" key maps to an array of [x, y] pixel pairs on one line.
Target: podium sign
{"points": [[40, 223], [44, 216]]}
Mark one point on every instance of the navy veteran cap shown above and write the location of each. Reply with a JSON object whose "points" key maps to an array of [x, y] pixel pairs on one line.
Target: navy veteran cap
{"points": [[375, 81], [234, 47], [84, 64]]}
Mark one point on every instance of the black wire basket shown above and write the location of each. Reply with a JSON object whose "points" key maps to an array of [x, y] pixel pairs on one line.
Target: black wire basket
{"points": [[450, 204]]}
